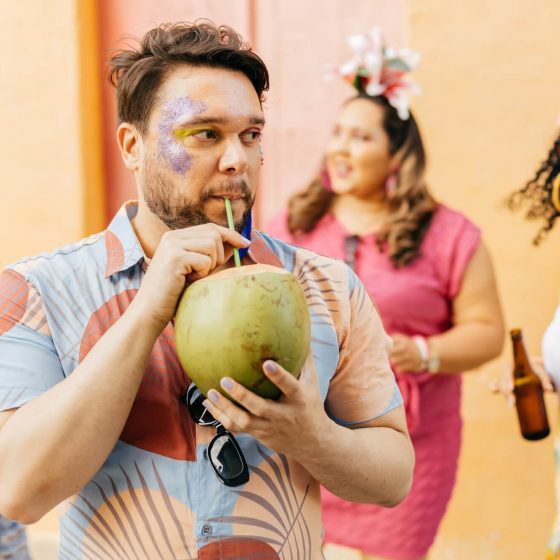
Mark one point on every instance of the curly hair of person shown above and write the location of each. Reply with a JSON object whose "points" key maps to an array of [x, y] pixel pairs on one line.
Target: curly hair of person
{"points": [[137, 72], [541, 193], [411, 207]]}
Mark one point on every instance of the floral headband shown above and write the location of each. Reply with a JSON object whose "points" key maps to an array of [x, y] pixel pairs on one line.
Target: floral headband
{"points": [[379, 70]]}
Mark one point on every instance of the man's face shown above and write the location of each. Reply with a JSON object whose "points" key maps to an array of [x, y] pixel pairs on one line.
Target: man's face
{"points": [[202, 145]]}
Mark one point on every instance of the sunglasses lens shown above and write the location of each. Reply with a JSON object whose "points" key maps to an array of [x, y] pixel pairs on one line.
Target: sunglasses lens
{"points": [[225, 457], [193, 398], [224, 452]]}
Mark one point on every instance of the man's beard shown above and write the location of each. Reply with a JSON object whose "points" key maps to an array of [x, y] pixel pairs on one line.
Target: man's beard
{"points": [[177, 212]]}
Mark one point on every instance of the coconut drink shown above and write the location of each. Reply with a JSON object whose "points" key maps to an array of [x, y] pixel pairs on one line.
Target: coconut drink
{"points": [[231, 322]]}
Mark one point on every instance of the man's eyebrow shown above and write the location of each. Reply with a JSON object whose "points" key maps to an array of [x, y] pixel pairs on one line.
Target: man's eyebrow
{"points": [[201, 120], [257, 120]]}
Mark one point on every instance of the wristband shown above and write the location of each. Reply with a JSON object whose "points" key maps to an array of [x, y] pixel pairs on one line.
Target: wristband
{"points": [[433, 360], [424, 350]]}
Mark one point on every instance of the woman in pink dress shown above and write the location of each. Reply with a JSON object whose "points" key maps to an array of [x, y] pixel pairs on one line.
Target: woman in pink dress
{"points": [[432, 279]]}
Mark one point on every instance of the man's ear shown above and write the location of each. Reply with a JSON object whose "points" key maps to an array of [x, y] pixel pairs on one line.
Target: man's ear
{"points": [[129, 140]]}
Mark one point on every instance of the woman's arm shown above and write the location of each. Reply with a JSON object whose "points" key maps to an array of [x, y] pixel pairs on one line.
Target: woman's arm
{"points": [[478, 332]]}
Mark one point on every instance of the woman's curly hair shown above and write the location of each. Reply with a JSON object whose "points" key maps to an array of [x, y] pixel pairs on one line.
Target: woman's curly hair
{"points": [[411, 207], [542, 193]]}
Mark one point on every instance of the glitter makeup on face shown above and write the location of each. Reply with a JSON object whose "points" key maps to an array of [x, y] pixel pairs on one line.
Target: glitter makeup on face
{"points": [[168, 148]]}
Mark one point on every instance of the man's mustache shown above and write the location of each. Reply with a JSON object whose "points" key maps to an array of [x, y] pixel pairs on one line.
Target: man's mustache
{"points": [[236, 189]]}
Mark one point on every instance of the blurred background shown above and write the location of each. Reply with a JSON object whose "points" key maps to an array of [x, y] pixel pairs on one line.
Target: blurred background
{"points": [[488, 112]]}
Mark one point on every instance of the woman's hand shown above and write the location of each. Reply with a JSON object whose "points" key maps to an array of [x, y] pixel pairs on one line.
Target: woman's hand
{"points": [[405, 355], [503, 385]]}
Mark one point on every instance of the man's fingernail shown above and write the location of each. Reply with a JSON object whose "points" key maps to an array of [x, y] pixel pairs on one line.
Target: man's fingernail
{"points": [[227, 383], [246, 241], [213, 396], [271, 367]]}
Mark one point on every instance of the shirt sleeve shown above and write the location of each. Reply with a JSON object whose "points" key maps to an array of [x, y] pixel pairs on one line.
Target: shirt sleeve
{"points": [[363, 387], [551, 348], [29, 363]]}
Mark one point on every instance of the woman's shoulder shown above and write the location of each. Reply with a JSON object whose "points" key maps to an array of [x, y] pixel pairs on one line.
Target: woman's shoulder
{"points": [[450, 229], [450, 243], [446, 218]]}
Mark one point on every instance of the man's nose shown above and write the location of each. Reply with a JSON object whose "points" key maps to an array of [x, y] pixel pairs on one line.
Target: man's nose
{"points": [[234, 159]]}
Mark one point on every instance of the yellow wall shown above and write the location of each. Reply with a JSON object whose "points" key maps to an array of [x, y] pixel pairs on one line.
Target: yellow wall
{"points": [[49, 186], [40, 171], [491, 89]]}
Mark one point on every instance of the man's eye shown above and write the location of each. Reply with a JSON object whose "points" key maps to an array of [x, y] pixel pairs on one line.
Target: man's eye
{"points": [[252, 136], [204, 135]]}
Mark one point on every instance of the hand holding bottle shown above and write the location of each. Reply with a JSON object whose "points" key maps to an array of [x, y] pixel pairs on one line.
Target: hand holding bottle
{"points": [[503, 385]]}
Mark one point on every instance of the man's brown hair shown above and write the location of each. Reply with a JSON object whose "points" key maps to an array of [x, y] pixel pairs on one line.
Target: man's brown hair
{"points": [[138, 72]]}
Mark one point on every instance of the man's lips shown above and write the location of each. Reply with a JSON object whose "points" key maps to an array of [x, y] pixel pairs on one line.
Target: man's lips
{"points": [[231, 197]]}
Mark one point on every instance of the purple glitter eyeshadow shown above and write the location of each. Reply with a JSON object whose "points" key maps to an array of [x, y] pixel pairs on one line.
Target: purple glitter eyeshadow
{"points": [[168, 147]]}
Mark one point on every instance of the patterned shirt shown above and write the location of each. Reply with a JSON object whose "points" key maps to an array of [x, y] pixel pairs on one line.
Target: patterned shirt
{"points": [[13, 541], [156, 496]]}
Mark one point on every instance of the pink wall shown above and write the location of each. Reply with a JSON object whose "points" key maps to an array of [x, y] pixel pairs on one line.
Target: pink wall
{"points": [[295, 39]]}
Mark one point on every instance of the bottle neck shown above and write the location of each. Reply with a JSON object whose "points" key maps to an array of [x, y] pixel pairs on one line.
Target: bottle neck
{"points": [[520, 357]]}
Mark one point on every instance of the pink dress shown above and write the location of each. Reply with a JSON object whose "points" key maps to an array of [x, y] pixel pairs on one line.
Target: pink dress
{"points": [[415, 300]]}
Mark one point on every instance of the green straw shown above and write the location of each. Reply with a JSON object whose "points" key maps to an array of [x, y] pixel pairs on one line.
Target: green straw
{"points": [[231, 226]]}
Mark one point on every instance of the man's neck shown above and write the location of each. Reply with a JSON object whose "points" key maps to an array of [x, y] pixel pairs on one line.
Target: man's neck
{"points": [[148, 229]]}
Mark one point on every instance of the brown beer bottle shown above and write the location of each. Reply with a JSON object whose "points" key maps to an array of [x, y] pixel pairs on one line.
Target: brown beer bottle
{"points": [[528, 391]]}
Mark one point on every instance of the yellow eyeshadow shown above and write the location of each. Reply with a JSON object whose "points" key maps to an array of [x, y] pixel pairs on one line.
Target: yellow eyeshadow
{"points": [[181, 133]]}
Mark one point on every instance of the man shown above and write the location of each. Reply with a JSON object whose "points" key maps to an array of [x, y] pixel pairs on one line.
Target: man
{"points": [[89, 375]]}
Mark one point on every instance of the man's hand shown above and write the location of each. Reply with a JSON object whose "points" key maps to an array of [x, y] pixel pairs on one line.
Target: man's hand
{"points": [[183, 255], [291, 425], [405, 355]]}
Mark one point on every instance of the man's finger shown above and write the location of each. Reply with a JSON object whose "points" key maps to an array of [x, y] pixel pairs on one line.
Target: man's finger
{"points": [[253, 403], [227, 413], [233, 238], [284, 380], [203, 246]]}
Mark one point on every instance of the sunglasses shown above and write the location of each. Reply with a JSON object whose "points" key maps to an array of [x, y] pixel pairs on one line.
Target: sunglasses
{"points": [[224, 453]]}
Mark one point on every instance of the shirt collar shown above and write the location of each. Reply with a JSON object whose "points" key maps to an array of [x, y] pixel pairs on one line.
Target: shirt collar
{"points": [[124, 250]]}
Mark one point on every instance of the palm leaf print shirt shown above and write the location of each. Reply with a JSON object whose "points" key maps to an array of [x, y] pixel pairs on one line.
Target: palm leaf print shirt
{"points": [[156, 496]]}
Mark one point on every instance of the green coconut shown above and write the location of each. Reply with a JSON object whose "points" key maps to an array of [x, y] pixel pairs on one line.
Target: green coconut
{"points": [[231, 322]]}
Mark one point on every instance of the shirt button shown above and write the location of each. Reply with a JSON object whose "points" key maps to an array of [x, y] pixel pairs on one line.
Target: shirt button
{"points": [[206, 530]]}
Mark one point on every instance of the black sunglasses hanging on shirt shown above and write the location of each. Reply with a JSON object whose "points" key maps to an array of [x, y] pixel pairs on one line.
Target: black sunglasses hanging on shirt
{"points": [[225, 455]]}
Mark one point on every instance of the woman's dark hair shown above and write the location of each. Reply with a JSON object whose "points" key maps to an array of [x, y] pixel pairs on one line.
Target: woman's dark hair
{"points": [[411, 206], [542, 193], [138, 72]]}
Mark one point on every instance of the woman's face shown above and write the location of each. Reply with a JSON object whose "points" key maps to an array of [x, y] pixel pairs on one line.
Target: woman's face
{"points": [[357, 156]]}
